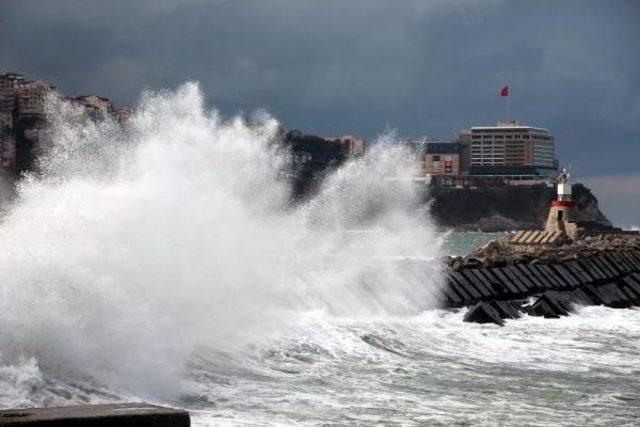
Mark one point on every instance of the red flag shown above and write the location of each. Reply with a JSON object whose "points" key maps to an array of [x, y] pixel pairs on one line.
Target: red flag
{"points": [[504, 91]]}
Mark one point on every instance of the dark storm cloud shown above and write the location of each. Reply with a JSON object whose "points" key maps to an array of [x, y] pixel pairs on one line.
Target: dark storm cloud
{"points": [[424, 67]]}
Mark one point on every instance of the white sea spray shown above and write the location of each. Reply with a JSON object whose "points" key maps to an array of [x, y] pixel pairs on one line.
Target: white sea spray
{"points": [[136, 244]]}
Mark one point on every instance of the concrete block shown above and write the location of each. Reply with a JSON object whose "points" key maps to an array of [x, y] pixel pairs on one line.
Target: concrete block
{"points": [[529, 274], [507, 309], [535, 268], [525, 236], [580, 297], [593, 269], [540, 237], [554, 278], [552, 304], [542, 308], [632, 260], [578, 272], [486, 284], [532, 237], [529, 285], [473, 282], [620, 265], [467, 298], [483, 312], [130, 415], [612, 297], [466, 285], [609, 266], [608, 273], [566, 275], [628, 292], [522, 289], [594, 293], [459, 290], [636, 256], [633, 286], [454, 299], [516, 237], [505, 281], [625, 259]]}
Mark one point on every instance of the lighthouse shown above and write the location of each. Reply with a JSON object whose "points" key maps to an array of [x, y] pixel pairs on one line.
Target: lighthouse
{"points": [[562, 210]]}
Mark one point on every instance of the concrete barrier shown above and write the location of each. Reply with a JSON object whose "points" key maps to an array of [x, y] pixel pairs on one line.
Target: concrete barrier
{"points": [[610, 278], [129, 414]]}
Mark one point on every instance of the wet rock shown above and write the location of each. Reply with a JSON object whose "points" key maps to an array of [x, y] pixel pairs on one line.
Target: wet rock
{"points": [[471, 262], [457, 263], [489, 249]]}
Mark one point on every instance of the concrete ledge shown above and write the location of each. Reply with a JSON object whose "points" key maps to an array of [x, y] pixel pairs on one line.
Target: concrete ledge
{"points": [[130, 415]]}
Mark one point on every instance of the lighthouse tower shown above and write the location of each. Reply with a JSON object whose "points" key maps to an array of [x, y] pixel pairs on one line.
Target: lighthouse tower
{"points": [[562, 209]]}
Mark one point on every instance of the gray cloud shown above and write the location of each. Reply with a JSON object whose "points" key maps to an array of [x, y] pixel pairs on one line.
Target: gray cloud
{"points": [[618, 196], [424, 67]]}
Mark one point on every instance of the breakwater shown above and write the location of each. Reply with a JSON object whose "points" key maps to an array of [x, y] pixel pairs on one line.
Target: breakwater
{"points": [[499, 282]]}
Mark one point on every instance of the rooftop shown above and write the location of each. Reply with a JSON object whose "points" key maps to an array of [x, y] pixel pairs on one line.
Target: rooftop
{"points": [[500, 126], [442, 148]]}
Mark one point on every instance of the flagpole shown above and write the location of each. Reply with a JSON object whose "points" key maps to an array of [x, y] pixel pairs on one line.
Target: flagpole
{"points": [[508, 97], [504, 92]]}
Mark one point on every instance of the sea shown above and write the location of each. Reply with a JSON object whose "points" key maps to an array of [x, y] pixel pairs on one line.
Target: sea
{"points": [[162, 261]]}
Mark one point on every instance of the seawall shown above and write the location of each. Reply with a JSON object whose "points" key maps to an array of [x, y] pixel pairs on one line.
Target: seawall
{"points": [[127, 414], [549, 282]]}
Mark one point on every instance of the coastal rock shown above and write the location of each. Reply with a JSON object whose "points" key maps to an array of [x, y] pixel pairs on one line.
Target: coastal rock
{"points": [[505, 208]]}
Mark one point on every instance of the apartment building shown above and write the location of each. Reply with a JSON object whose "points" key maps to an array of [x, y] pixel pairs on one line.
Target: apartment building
{"points": [[354, 146], [442, 158], [509, 149]]}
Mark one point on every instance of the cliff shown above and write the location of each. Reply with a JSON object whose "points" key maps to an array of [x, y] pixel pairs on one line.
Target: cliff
{"points": [[504, 208]]}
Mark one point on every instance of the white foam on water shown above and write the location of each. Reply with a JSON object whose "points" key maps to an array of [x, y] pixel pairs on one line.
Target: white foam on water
{"points": [[136, 244], [163, 261], [429, 368]]}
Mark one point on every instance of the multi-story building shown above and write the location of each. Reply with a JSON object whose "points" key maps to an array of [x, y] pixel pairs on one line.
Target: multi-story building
{"points": [[7, 150], [31, 97], [22, 116], [436, 160], [509, 149], [97, 107], [442, 158], [22, 113], [354, 146], [124, 113], [9, 83], [25, 97]]}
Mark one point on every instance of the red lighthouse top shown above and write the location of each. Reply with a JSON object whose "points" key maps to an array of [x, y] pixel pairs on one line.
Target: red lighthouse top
{"points": [[564, 203]]}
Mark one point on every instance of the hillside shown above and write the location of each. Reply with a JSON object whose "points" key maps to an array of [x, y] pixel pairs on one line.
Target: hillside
{"points": [[504, 208]]}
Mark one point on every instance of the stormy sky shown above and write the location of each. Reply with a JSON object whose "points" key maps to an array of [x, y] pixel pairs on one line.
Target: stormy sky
{"points": [[425, 68]]}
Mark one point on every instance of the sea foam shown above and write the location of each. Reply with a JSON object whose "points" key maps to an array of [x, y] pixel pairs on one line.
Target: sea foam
{"points": [[135, 244]]}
